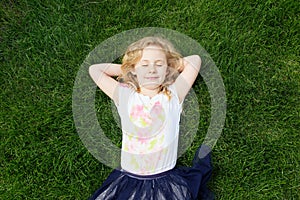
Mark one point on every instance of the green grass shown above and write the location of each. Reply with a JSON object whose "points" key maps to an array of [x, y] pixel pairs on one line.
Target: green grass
{"points": [[255, 45]]}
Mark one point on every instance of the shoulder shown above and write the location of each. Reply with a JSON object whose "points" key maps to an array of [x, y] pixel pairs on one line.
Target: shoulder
{"points": [[123, 92], [123, 85], [174, 94], [125, 88]]}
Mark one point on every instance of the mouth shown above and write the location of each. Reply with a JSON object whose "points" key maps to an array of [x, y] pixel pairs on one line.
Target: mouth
{"points": [[152, 78]]}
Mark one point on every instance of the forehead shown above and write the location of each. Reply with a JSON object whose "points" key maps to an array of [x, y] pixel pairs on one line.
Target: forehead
{"points": [[153, 53]]}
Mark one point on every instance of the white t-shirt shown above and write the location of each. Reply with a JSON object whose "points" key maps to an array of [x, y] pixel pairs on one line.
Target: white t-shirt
{"points": [[150, 129]]}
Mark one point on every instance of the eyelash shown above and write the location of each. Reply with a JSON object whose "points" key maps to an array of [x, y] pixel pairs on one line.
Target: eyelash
{"points": [[157, 65]]}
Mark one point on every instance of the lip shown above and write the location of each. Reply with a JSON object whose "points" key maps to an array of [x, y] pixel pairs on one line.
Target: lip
{"points": [[151, 78]]}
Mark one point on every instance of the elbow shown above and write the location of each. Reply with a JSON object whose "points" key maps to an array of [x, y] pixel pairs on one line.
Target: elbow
{"points": [[198, 60], [93, 69]]}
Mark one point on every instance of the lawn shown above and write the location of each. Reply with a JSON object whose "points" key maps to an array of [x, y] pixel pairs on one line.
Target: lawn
{"points": [[254, 44]]}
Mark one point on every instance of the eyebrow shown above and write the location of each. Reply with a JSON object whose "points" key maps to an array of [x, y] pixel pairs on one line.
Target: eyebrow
{"points": [[154, 61]]}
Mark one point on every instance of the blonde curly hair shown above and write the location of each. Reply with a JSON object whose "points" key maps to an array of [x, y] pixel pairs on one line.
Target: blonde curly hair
{"points": [[134, 53]]}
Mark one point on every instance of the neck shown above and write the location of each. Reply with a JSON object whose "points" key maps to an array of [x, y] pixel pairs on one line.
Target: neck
{"points": [[149, 92]]}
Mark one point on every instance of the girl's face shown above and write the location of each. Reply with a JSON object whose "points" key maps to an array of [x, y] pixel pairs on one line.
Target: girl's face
{"points": [[152, 68]]}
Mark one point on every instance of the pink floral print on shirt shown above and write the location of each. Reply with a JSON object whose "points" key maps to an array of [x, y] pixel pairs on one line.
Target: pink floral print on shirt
{"points": [[144, 116]]}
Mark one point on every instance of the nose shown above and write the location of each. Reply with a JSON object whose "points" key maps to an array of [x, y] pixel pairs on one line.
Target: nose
{"points": [[152, 68]]}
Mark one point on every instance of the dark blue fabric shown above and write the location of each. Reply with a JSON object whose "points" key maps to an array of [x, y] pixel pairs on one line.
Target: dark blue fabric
{"points": [[182, 183]]}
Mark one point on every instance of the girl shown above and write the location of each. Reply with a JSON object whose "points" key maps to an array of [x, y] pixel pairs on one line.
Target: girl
{"points": [[154, 82]]}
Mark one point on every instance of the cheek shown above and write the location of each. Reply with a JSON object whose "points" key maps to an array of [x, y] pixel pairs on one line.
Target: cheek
{"points": [[140, 73], [163, 71]]}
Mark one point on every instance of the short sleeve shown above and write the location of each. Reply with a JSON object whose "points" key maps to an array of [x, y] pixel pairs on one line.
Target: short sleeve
{"points": [[124, 91], [173, 91]]}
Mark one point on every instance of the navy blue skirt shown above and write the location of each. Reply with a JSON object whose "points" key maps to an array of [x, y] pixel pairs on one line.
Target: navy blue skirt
{"points": [[182, 183]]}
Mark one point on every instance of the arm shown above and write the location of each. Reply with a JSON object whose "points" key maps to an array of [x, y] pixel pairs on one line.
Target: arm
{"points": [[102, 74], [188, 75]]}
